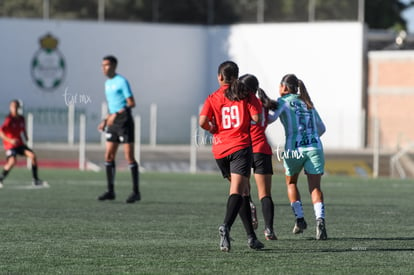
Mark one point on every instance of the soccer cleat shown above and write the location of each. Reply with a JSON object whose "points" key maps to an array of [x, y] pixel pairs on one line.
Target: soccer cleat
{"points": [[133, 197], [224, 233], [40, 183], [270, 234], [107, 196], [255, 221], [1, 183], [300, 225], [321, 229], [254, 243]]}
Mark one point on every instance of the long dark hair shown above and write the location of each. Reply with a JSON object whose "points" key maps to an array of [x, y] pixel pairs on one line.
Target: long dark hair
{"points": [[248, 83], [267, 102], [296, 86], [242, 87]]}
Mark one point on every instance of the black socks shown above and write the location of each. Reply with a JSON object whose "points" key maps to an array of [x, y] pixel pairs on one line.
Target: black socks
{"points": [[268, 209], [110, 175], [135, 176], [234, 203]]}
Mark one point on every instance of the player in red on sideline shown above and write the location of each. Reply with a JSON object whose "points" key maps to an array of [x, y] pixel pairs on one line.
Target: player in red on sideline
{"points": [[13, 132]]}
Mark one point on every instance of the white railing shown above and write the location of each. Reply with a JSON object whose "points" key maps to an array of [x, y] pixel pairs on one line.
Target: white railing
{"points": [[395, 164], [81, 145]]}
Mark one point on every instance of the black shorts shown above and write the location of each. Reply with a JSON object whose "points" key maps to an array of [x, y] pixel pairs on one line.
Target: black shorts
{"points": [[240, 162], [262, 164], [122, 130], [17, 151]]}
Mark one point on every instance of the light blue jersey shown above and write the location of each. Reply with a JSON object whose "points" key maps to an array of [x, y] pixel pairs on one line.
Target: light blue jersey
{"points": [[303, 127], [117, 90]]}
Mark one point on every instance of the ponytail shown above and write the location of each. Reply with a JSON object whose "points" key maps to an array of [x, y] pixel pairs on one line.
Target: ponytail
{"points": [[266, 101], [296, 86], [304, 95], [237, 91]]}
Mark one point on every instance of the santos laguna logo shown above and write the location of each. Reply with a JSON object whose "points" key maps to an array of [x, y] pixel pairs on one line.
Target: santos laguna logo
{"points": [[48, 64]]}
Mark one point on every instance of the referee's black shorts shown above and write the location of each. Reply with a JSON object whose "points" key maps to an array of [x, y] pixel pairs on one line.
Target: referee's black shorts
{"points": [[122, 130], [240, 162]]}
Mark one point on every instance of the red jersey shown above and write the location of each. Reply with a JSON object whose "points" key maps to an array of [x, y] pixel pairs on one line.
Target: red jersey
{"points": [[232, 119], [257, 133], [13, 127]]}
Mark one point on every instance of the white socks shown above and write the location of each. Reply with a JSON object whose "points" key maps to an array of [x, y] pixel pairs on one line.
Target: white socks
{"points": [[297, 209], [319, 209]]}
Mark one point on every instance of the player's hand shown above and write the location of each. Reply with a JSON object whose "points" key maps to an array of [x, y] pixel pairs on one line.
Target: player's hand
{"points": [[14, 141], [102, 125], [110, 120], [213, 128]]}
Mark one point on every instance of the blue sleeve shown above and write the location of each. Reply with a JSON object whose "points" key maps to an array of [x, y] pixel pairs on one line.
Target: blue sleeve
{"points": [[274, 114], [126, 89], [319, 123]]}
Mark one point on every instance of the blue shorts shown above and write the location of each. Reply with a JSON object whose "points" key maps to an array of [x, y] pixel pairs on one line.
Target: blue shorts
{"points": [[312, 161]]}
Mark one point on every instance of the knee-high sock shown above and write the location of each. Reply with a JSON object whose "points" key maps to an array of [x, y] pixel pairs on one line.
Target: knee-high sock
{"points": [[135, 176], [4, 174], [110, 175], [245, 213], [34, 172], [268, 209], [319, 209], [297, 209], [233, 206]]}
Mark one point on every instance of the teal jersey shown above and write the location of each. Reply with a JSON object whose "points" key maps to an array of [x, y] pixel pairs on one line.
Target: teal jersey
{"points": [[117, 90], [303, 127]]}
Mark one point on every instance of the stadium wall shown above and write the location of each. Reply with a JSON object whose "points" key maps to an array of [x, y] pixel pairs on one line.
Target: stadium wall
{"points": [[390, 98], [175, 67]]}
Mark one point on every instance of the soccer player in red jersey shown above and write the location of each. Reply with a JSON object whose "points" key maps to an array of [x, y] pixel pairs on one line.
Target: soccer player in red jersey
{"points": [[262, 155], [12, 132], [227, 114]]}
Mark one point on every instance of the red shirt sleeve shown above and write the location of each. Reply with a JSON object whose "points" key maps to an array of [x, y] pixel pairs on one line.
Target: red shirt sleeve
{"points": [[254, 105], [206, 110]]}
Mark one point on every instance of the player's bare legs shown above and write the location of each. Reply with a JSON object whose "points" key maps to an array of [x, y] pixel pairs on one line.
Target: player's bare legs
{"points": [[32, 156], [264, 185], [110, 151], [292, 189], [10, 162], [295, 203], [314, 183]]}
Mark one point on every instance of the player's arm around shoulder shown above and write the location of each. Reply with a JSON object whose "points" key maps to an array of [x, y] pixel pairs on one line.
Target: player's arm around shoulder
{"points": [[274, 114]]}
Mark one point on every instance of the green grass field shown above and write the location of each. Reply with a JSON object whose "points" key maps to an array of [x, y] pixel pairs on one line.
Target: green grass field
{"points": [[174, 229]]}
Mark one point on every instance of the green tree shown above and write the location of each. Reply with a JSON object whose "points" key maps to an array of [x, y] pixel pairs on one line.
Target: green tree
{"points": [[386, 14], [379, 14]]}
